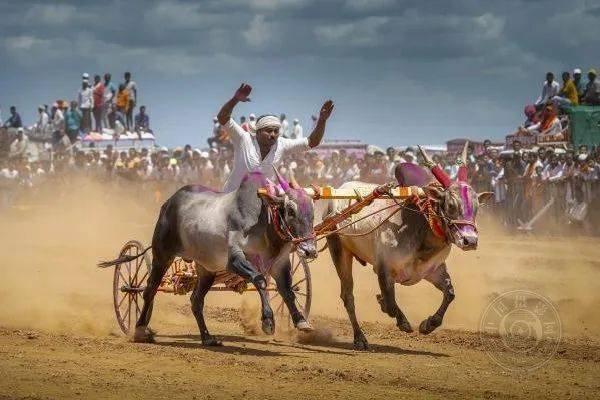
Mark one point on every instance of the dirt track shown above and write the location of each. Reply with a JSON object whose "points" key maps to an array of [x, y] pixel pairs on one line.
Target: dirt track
{"points": [[59, 339]]}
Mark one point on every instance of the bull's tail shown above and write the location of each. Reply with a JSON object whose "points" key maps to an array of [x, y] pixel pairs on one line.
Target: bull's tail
{"points": [[123, 259]]}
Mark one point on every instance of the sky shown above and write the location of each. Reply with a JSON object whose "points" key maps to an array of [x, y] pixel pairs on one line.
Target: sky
{"points": [[400, 72]]}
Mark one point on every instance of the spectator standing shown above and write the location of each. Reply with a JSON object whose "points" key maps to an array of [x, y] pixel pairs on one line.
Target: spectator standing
{"points": [[109, 95], [131, 89], [550, 89], [251, 122], [244, 124], [14, 121], [285, 126], [98, 93], [73, 121], [122, 102], [592, 89], [85, 99], [578, 83], [58, 122], [43, 122], [297, 131]]}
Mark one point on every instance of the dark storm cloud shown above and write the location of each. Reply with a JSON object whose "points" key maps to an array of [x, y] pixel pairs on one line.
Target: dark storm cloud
{"points": [[484, 55]]}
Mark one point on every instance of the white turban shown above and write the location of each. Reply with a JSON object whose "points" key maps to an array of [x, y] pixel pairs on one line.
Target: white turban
{"points": [[268, 121]]}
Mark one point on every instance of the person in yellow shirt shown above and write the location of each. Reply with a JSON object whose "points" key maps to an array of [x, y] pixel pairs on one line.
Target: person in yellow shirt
{"points": [[122, 99], [567, 96]]}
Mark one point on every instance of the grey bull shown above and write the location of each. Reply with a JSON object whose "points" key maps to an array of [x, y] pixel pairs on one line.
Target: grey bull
{"points": [[406, 246], [234, 232]]}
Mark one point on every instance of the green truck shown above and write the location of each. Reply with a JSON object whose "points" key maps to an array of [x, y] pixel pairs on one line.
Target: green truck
{"points": [[584, 126]]}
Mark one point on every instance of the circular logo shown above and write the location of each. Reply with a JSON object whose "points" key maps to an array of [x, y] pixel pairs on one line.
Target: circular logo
{"points": [[520, 330]]}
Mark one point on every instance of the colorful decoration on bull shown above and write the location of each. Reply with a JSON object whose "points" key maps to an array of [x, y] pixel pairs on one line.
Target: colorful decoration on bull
{"points": [[436, 170], [462, 175], [282, 182]]}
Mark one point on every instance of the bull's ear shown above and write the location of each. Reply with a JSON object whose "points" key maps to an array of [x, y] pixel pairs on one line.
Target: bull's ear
{"points": [[485, 197]]}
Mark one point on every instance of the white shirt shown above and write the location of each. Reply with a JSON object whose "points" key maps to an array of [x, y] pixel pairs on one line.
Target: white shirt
{"points": [[108, 93], [85, 98], [298, 132], [130, 86], [247, 158], [551, 173], [548, 92], [58, 122], [42, 124]]}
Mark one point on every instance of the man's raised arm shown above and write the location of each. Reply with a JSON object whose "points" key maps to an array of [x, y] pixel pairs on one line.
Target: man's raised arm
{"points": [[319, 130], [240, 95]]}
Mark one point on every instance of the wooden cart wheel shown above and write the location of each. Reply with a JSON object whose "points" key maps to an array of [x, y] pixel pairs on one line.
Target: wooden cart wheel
{"points": [[128, 284], [302, 287]]}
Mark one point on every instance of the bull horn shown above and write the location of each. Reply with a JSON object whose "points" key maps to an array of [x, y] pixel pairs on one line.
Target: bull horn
{"points": [[293, 182], [284, 184], [462, 174], [436, 170]]}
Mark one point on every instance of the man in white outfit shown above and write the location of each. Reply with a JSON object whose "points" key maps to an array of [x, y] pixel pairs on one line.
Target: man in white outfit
{"points": [[264, 148], [297, 131]]}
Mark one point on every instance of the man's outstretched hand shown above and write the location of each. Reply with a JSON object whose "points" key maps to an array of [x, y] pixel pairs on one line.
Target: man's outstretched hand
{"points": [[243, 92], [326, 110]]}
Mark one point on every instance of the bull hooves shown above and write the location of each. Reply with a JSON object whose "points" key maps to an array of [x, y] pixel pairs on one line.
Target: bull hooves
{"points": [[211, 342], [304, 326], [268, 326], [143, 335], [361, 344], [429, 325], [404, 326]]}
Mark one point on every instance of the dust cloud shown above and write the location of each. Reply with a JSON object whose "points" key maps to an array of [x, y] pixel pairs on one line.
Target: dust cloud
{"points": [[52, 241]]}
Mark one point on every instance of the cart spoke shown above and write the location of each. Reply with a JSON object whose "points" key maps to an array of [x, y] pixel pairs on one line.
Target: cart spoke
{"points": [[137, 308], [299, 282], [301, 294], [139, 282], [299, 305], [126, 312], [121, 302], [295, 269], [129, 313], [123, 277]]}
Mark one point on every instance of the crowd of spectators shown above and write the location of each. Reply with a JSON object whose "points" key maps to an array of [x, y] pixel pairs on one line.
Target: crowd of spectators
{"points": [[558, 182], [99, 107], [523, 180]]}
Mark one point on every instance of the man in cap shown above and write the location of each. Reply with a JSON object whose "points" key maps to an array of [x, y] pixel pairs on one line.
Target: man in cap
{"points": [[85, 99], [592, 89], [264, 148]]}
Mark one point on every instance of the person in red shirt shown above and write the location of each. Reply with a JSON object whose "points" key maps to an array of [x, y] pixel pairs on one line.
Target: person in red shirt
{"points": [[98, 93]]}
